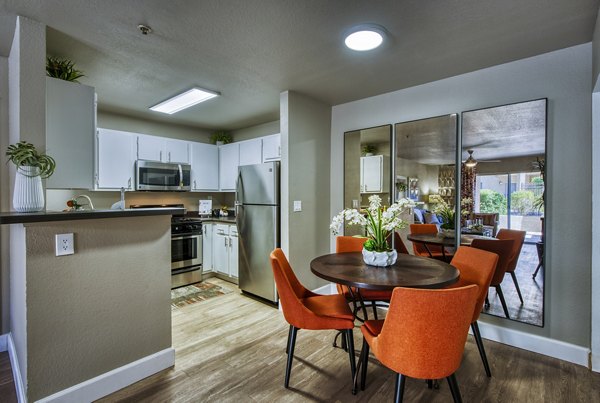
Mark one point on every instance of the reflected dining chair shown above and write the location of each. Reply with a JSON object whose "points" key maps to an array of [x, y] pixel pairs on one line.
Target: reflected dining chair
{"points": [[519, 238], [504, 249], [477, 267], [352, 294], [303, 309], [433, 251], [423, 335]]}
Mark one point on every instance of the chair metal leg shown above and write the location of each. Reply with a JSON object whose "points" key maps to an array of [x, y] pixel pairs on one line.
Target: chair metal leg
{"points": [[287, 345], [374, 306], [479, 342], [291, 345], [365, 354], [400, 381], [487, 301], [429, 384], [454, 388], [502, 300], [361, 360], [514, 277], [537, 269], [350, 339]]}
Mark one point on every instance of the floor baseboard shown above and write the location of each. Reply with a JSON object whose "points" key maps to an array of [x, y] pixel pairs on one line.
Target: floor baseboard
{"points": [[3, 343], [537, 344], [595, 362], [116, 379], [16, 371]]}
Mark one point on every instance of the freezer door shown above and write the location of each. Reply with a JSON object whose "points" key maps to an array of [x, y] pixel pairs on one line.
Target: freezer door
{"points": [[258, 228], [258, 184]]}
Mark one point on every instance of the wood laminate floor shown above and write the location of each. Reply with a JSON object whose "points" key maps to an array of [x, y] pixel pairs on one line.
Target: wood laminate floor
{"points": [[8, 393], [232, 349]]}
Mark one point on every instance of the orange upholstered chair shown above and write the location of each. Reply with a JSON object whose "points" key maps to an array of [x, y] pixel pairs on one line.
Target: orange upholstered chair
{"points": [[504, 248], [304, 309], [355, 244], [477, 267], [423, 335], [519, 238], [436, 252]]}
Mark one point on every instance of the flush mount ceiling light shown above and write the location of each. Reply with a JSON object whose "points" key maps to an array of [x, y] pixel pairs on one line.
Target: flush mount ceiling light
{"points": [[364, 37], [184, 100]]}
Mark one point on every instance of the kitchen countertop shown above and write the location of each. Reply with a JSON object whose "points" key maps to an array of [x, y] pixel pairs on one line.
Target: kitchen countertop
{"points": [[225, 220], [14, 217]]}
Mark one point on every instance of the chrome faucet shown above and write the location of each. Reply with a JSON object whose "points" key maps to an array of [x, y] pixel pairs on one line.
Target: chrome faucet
{"points": [[88, 199]]}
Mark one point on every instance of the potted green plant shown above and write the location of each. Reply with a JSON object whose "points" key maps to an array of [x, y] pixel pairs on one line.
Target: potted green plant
{"points": [[368, 149], [221, 137], [32, 166], [63, 69]]}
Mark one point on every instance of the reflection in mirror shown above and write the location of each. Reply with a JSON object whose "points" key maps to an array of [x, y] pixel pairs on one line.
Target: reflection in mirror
{"points": [[504, 150], [366, 168], [425, 161]]}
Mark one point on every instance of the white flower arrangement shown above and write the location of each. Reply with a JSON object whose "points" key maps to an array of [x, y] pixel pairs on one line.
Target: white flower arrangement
{"points": [[377, 221]]}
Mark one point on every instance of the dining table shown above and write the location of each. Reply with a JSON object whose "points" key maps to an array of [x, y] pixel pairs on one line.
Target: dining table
{"points": [[410, 271], [444, 241]]}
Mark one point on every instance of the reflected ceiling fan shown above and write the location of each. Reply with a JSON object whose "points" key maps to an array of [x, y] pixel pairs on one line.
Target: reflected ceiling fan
{"points": [[470, 162]]}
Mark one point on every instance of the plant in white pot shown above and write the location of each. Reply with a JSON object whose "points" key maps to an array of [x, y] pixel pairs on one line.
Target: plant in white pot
{"points": [[32, 167], [379, 223]]}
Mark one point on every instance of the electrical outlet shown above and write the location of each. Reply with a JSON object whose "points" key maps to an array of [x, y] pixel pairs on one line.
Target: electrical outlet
{"points": [[64, 244], [297, 205]]}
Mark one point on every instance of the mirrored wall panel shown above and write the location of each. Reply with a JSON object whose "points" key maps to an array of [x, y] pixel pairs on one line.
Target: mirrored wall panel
{"points": [[503, 176], [425, 172], [366, 168]]}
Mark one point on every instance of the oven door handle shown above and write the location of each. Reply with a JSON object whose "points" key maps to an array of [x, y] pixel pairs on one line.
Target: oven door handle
{"points": [[184, 236]]}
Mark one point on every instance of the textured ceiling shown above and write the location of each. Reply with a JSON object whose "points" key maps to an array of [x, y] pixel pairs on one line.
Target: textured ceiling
{"points": [[252, 50]]}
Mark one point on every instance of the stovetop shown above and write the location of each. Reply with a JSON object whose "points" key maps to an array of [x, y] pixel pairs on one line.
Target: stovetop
{"points": [[179, 224]]}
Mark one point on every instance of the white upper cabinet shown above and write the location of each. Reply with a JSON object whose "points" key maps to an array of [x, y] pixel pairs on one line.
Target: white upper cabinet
{"points": [[271, 148], [70, 133], [229, 161], [371, 174], [162, 149], [251, 152], [205, 167], [115, 159]]}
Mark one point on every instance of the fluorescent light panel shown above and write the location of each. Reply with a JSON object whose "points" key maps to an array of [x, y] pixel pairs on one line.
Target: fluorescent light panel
{"points": [[184, 100]]}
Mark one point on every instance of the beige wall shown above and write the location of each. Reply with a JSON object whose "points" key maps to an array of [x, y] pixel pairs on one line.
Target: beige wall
{"points": [[256, 131], [114, 121], [101, 308], [565, 78], [305, 128]]}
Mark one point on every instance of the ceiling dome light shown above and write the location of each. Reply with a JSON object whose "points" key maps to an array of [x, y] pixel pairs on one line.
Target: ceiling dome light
{"points": [[364, 37]]}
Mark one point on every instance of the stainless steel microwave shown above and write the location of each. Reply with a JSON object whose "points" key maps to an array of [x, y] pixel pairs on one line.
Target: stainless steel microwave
{"points": [[152, 175]]}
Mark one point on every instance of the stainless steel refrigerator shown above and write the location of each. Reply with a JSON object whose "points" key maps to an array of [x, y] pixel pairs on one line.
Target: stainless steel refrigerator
{"points": [[257, 212]]}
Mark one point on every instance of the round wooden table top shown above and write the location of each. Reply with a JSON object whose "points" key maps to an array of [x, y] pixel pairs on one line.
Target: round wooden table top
{"points": [[408, 271], [438, 239]]}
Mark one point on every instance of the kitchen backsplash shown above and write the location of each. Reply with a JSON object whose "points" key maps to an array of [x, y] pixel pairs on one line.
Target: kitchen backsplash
{"points": [[56, 198]]}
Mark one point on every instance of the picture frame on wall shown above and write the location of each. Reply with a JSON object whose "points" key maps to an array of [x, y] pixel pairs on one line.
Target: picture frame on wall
{"points": [[413, 188]]}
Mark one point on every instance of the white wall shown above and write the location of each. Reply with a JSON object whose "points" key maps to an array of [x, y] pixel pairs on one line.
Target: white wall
{"points": [[564, 77], [596, 232], [4, 196]]}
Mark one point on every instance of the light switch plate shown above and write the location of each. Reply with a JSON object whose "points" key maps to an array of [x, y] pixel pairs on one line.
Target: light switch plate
{"points": [[64, 244], [297, 205]]}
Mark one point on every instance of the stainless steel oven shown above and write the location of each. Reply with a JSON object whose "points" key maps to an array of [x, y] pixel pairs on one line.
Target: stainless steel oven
{"points": [[186, 252], [152, 175]]}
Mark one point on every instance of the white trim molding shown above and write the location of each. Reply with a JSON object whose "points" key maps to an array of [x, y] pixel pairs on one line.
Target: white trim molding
{"points": [[595, 362], [3, 342], [16, 371], [537, 344], [118, 378]]}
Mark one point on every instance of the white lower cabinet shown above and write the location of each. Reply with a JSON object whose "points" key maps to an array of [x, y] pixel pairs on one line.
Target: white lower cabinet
{"points": [[207, 247], [225, 250]]}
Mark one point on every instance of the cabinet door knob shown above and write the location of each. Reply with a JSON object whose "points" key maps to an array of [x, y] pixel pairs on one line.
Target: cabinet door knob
{"points": [[129, 184], [195, 187], [169, 156]]}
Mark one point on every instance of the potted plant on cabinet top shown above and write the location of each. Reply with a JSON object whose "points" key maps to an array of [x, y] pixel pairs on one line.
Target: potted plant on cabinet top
{"points": [[221, 137], [63, 69], [378, 223], [32, 167]]}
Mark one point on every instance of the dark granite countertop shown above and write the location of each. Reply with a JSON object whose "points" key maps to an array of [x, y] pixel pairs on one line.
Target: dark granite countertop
{"points": [[225, 220], [14, 217]]}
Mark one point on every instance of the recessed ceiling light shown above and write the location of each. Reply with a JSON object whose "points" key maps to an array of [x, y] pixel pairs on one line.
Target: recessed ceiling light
{"points": [[184, 100], [364, 37]]}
